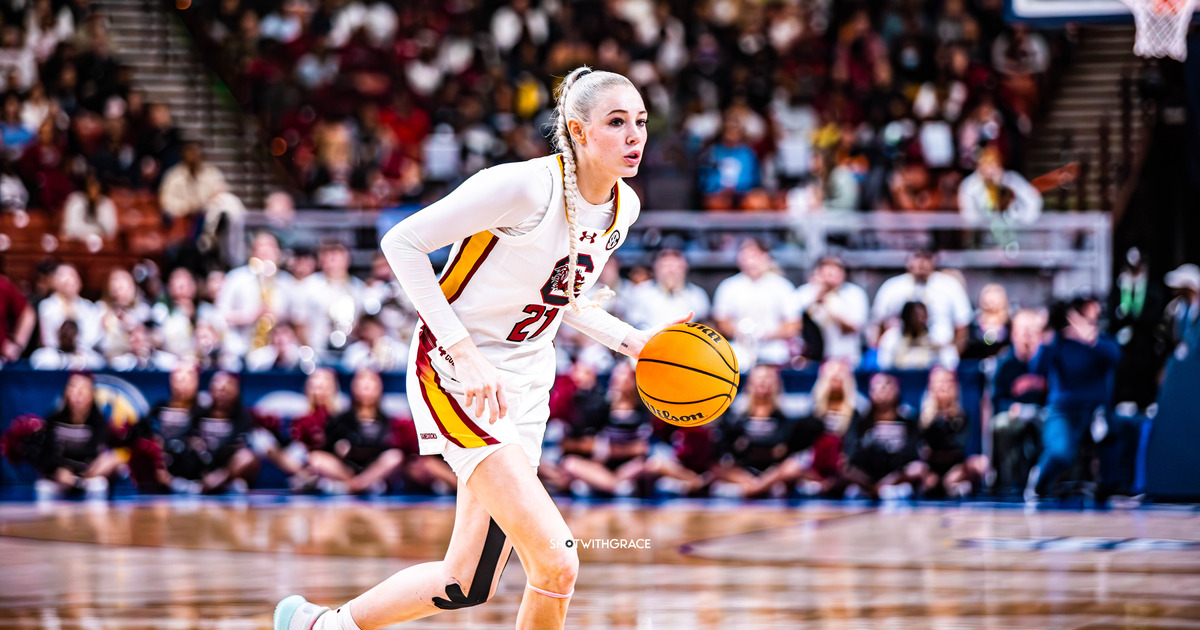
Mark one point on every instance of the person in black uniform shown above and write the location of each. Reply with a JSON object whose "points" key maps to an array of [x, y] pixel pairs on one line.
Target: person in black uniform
{"points": [[881, 444], [361, 453], [754, 439], [218, 438], [944, 431], [621, 452], [159, 457], [75, 456]]}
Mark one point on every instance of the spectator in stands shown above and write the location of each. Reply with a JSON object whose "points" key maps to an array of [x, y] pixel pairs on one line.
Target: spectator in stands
{"points": [[1018, 400], [332, 302], [982, 127], [910, 346], [196, 189], [729, 169], [142, 353], [374, 349], [360, 454], [17, 319], [1183, 312], [1079, 364], [881, 445], [160, 146], [1021, 57], [14, 131], [944, 297], [988, 333], [301, 263], [89, 212], [947, 468], [669, 296], [283, 352], [63, 304], [115, 158], [218, 437], [383, 297], [837, 308], [179, 312], [622, 456], [17, 63], [43, 166], [754, 438], [992, 194], [13, 194], [172, 464], [121, 310], [755, 309], [256, 297], [75, 456], [67, 353]]}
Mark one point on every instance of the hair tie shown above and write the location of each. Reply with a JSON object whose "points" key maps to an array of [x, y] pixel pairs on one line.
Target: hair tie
{"points": [[582, 73]]}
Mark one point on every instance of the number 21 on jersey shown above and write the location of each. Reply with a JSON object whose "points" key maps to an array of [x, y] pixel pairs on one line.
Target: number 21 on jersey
{"points": [[554, 298]]}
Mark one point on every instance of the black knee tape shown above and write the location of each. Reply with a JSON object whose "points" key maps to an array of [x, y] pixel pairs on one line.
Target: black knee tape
{"points": [[485, 572]]}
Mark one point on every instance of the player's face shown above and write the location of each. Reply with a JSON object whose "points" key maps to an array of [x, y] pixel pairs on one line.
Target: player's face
{"points": [[615, 135]]}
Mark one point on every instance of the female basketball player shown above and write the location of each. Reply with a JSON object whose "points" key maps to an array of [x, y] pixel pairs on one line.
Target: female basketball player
{"points": [[530, 238]]}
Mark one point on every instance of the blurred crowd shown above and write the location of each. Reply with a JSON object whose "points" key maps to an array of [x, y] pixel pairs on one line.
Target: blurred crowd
{"points": [[79, 144], [1061, 379], [800, 104]]}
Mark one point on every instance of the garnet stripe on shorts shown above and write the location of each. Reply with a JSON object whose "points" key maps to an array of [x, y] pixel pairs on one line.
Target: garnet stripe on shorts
{"points": [[452, 421]]}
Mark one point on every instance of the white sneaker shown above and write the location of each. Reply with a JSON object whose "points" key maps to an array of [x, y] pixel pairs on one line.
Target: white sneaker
{"points": [[95, 488], [1031, 495], [897, 492], [295, 613], [46, 490], [726, 490]]}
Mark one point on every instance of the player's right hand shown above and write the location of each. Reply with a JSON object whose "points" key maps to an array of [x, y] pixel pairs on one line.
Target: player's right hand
{"points": [[480, 380]]}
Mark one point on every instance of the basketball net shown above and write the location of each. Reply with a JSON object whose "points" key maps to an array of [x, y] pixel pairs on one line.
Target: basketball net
{"points": [[1162, 27]]}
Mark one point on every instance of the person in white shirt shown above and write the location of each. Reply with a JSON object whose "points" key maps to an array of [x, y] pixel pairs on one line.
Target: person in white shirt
{"points": [[756, 309], [838, 307], [66, 354], [992, 192], [944, 297], [64, 304], [195, 187], [374, 349], [89, 212], [669, 296], [142, 354], [331, 301], [256, 296]]}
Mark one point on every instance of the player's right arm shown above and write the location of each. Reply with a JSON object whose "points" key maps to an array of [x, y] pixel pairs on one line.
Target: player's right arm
{"points": [[493, 198]]}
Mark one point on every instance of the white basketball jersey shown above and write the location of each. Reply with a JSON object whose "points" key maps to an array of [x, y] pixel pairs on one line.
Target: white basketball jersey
{"points": [[510, 294]]}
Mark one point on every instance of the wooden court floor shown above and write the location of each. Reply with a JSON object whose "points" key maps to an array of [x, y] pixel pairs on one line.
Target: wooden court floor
{"points": [[192, 564]]}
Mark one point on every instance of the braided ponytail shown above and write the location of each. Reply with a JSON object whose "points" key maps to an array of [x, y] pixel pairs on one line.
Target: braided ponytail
{"points": [[575, 99]]}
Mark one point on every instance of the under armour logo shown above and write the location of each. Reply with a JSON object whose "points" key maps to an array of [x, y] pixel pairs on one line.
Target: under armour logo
{"points": [[591, 238]]}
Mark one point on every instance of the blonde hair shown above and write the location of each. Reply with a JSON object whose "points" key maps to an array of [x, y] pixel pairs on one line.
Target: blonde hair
{"points": [[929, 403], [820, 393], [576, 96]]}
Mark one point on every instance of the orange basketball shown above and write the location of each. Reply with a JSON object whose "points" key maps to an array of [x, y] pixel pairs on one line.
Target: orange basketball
{"points": [[687, 374]]}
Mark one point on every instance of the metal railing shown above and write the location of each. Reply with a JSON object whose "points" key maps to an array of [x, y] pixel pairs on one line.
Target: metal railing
{"points": [[1078, 244]]}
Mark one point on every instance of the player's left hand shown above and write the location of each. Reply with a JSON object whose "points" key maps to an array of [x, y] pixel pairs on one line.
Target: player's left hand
{"points": [[636, 340]]}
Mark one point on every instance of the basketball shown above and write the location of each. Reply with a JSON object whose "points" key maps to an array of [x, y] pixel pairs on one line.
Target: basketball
{"points": [[687, 374]]}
